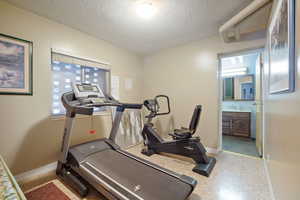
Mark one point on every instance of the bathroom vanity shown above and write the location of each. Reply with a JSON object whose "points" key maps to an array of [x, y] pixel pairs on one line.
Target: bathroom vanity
{"points": [[236, 123]]}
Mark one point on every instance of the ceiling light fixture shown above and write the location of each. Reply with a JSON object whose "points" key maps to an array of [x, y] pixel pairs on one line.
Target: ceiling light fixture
{"points": [[234, 72], [241, 69], [145, 9]]}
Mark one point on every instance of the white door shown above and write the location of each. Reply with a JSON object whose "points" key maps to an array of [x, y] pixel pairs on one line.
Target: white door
{"points": [[258, 103]]}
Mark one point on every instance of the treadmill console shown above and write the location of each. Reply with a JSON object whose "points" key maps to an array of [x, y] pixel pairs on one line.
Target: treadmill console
{"points": [[88, 93], [85, 97]]}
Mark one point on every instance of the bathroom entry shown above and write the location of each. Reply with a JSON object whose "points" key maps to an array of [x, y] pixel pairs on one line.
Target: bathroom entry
{"points": [[241, 107]]}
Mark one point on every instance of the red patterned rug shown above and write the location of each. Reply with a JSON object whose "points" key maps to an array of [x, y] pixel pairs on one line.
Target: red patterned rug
{"points": [[53, 190]]}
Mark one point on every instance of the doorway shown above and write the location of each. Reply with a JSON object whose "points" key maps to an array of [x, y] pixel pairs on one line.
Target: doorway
{"points": [[241, 108]]}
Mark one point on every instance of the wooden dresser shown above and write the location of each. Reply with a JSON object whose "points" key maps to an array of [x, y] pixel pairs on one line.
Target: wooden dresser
{"points": [[236, 123]]}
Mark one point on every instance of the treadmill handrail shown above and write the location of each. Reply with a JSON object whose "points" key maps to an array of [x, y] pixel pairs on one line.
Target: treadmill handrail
{"points": [[132, 105], [97, 105], [124, 105], [74, 106]]}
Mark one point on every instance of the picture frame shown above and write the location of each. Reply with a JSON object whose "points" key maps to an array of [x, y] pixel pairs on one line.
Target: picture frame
{"points": [[15, 66], [281, 45]]}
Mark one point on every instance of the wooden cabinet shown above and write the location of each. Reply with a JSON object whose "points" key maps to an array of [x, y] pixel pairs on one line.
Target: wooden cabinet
{"points": [[236, 123]]}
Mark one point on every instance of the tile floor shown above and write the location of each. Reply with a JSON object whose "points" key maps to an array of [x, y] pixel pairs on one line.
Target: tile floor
{"points": [[240, 145]]}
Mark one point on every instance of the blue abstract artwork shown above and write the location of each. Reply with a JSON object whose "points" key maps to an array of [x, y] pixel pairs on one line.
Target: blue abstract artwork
{"points": [[11, 65]]}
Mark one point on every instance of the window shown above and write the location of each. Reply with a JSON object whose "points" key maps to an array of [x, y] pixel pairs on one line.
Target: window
{"points": [[67, 70]]}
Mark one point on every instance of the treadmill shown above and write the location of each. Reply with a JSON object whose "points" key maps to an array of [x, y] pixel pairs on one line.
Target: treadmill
{"points": [[101, 164]]}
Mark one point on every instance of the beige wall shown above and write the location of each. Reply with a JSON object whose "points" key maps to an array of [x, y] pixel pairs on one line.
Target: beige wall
{"points": [[282, 134], [188, 74], [28, 137]]}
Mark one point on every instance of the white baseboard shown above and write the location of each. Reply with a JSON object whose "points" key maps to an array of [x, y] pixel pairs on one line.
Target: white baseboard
{"points": [[212, 150], [33, 174], [269, 180]]}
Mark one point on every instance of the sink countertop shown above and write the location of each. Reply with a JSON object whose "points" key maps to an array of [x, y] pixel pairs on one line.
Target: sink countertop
{"points": [[228, 110]]}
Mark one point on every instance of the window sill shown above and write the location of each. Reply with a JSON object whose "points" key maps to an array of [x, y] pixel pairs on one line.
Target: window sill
{"points": [[63, 117]]}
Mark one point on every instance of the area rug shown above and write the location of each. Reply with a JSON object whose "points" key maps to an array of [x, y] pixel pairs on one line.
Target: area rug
{"points": [[53, 190]]}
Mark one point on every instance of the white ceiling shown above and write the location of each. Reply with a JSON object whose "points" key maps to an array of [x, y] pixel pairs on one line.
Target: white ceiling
{"points": [[176, 21]]}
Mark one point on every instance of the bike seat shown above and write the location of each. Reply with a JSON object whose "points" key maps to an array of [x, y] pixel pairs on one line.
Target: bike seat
{"points": [[181, 134]]}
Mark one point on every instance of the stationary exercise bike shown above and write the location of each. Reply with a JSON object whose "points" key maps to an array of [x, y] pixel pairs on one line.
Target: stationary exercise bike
{"points": [[183, 142]]}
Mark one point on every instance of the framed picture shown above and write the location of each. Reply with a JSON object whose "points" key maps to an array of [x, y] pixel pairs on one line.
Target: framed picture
{"points": [[15, 66], [282, 48]]}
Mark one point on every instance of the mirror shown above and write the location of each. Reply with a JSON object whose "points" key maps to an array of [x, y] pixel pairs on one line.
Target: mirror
{"points": [[239, 88]]}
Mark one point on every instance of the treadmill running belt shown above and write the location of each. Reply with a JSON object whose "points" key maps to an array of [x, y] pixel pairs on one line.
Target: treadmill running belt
{"points": [[143, 181]]}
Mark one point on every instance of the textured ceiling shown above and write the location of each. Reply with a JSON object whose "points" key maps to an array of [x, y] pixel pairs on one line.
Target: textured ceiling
{"points": [[175, 22]]}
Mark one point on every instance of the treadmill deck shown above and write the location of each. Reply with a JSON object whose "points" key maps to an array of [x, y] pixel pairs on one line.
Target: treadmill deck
{"points": [[130, 179]]}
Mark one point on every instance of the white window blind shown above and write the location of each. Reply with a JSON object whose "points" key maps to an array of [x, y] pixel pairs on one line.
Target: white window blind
{"points": [[67, 70]]}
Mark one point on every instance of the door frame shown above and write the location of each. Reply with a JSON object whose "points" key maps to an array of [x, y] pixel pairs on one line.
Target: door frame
{"points": [[259, 49]]}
